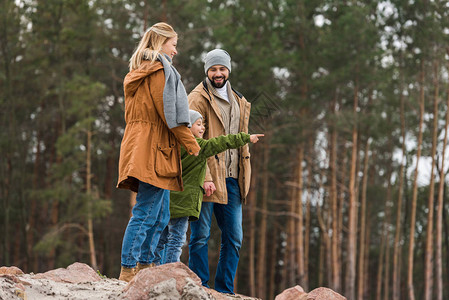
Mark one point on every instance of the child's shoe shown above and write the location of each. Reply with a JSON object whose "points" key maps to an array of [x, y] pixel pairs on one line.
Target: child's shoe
{"points": [[126, 274]]}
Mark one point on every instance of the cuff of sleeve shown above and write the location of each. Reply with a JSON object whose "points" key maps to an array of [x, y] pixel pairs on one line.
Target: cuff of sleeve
{"points": [[194, 149]]}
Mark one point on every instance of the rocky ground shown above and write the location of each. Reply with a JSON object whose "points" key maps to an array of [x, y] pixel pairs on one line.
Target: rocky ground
{"points": [[167, 282]]}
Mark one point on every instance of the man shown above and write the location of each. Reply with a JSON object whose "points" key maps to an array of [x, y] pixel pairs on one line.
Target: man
{"points": [[225, 111]]}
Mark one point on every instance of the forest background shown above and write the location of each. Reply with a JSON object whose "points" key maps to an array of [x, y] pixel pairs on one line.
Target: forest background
{"points": [[349, 184]]}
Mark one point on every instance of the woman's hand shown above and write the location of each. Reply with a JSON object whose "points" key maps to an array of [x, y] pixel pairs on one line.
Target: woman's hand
{"points": [[254, 138]]}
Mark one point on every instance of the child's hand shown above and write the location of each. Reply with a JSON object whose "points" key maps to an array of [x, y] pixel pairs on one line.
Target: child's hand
{"points": [[209, 188], [254, 138]]}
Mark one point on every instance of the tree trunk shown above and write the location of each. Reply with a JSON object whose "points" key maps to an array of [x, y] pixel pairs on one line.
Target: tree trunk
{"points": [[439, 216], [31, 226], [411, 247], [387, 269], [106, 235], [291, 241], [428, 280], [9, 116], [307, 220], [322, 262], [397, 247], [325, 234], [352, 217], [261, 256], [90, 227], [299, 221], [361, 267], [252, 201], [384, 246], [366, 263], [273, 262], [445, 234], [333, 195], [341, 204]]}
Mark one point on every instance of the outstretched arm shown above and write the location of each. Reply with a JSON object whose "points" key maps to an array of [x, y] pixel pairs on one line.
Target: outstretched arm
{"points": [[231, 141]]}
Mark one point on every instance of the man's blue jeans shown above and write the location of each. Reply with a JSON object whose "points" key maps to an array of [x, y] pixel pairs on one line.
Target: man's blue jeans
{"points": [[172, 239], [150, 216], [229, 220]]}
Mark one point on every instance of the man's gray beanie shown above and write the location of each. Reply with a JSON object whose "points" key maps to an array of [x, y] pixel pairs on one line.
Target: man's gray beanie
{"points": [[217, 57], [194, 115]]}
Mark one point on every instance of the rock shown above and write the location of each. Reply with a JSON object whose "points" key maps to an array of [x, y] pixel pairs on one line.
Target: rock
{"points": [[80, 282], [221, 296], [192, 291], [323, 293], [165, 290], [293, 293], [10, 271], [145, 280], [75, 273], [11, 288]]}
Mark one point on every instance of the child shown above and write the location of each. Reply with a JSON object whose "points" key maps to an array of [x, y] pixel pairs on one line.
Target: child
{"points": [[186, 206]]}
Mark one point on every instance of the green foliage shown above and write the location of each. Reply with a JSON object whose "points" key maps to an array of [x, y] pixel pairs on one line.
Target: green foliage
{"points": [[300, 63]]}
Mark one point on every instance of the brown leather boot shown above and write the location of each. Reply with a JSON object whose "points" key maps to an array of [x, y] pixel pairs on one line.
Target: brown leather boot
{"points": [[144, 266], [126, 274]]}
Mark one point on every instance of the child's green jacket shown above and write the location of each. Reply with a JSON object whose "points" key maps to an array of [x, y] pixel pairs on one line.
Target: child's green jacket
{"points": [[188, 202]]}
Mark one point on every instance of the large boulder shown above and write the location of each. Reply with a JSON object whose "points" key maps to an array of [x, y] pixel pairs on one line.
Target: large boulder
{"points": [[11, 287], [221, 296], [75, 273], [298, 293], [10, 271], [293, 293], [148, 281], [323, 293]]}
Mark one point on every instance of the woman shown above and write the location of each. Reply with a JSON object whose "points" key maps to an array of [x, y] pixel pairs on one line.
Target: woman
{"points": [[157, 119]]}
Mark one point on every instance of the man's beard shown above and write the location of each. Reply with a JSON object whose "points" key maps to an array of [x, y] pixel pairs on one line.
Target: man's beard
{"points": [[218, 85]]}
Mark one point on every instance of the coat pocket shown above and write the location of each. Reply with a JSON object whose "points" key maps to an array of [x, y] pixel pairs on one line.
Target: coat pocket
{"points": [[167, 164]]}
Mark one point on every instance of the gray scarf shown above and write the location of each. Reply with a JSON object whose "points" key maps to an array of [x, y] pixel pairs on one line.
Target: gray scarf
{"points": [[176, 106]]}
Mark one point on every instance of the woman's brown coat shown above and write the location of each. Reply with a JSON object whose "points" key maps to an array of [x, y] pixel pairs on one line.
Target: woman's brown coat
{"points": [[150, 151]]}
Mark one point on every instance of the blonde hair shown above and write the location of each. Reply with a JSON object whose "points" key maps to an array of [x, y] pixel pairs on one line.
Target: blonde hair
{"points": [[151, 44]]}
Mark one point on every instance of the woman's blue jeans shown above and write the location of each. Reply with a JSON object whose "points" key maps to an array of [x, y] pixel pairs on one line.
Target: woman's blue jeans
{"points": [[229, 220], [172, 239], [150, 216]]}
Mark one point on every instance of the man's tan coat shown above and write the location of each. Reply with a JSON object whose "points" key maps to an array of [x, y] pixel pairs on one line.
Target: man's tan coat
{"points": [[202, 100]]}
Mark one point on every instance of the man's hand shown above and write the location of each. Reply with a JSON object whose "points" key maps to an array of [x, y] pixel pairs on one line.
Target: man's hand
{"points": [[209, 188], [254, 138]]}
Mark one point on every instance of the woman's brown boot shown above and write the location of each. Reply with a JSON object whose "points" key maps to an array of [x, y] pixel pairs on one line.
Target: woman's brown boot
{"points": [[126, 274], [144, 266]]}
